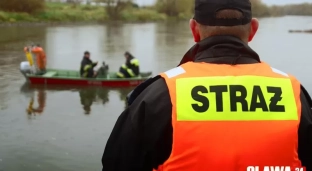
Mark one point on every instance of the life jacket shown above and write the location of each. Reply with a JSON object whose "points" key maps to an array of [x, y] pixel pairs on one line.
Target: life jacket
{"points": [[226, 118], [40, 57]]}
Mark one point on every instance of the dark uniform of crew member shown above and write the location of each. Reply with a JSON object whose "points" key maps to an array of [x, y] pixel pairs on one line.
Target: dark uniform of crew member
{"points": [[221, 109], [87, 66], [131, 68]]}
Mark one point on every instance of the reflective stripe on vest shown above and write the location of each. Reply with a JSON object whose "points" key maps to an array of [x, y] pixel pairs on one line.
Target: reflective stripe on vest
{"points": [[85, 70], [134, 62], [123, 66], [227, 117], [119, 74], [130, 72]]}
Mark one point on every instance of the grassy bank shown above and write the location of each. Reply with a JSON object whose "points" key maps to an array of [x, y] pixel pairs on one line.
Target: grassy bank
{"points": [[59, 12]]}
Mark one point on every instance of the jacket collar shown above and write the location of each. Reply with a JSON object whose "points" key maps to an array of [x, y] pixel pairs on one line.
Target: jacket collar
{"points": [[212, 48]]}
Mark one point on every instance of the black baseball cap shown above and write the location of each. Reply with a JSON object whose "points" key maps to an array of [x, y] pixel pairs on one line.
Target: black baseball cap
{"points": [[205, 12], [87, 53]]}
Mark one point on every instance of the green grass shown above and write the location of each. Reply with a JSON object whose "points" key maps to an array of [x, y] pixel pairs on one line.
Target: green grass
{"points": [[142, 15], [59, 12]]}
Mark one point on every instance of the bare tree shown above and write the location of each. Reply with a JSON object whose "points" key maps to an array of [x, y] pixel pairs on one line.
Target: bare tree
{"points": [[174, 7], [115, 7]]}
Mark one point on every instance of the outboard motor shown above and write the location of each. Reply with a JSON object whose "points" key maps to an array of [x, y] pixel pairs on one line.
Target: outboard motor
{"points": [[25, 69]]}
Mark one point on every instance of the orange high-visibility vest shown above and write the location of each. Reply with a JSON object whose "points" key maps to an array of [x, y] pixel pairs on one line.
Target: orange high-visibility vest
{"points": [[226, 118], [40, 57]]}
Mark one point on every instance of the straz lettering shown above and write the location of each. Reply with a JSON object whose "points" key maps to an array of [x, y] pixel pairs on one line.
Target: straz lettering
{"points": [[238, 95], [221, 100]]}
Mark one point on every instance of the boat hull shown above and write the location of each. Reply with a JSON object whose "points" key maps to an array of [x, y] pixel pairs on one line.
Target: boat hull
{"points": [[72, 77], [89, 82]]}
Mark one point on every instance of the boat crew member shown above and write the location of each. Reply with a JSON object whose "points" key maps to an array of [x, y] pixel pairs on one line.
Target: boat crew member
{"points": [[221, 109], [87, 66], [40, 59], [131, 68]]}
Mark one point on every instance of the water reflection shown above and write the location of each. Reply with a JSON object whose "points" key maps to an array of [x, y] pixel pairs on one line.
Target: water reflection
{"points": [[113, 44], [41, 100], [88, 95]]}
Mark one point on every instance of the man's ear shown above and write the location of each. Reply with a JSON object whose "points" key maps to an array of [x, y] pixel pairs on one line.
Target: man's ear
{"points": [[195, 30], [254, 25]]}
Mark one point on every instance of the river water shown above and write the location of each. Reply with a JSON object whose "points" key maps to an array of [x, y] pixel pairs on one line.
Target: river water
{"points": [[70, 127]]}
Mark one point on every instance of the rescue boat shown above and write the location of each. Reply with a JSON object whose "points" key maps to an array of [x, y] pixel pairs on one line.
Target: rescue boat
{"points": [[72, 77]]}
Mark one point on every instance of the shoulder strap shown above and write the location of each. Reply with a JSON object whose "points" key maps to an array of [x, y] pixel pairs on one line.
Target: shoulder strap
{"points": [[137, 91]]}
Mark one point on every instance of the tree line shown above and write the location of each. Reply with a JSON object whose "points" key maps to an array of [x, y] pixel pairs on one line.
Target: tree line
{"points": [[259, 9], [171, 8]]}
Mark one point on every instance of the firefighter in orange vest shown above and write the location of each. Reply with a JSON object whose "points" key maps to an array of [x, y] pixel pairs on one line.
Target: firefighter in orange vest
{"points": [[221, 109]]}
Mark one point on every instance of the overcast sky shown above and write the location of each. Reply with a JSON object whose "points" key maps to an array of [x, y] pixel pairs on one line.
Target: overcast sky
{"points": [[269, 2], [282, 2]]}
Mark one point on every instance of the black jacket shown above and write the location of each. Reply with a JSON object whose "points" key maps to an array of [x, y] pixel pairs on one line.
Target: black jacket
{"points": [[89, 71], [142, 137], [134, 68]]}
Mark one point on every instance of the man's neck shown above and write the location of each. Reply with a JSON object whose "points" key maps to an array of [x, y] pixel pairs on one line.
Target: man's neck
{"points": [[219, 46]]}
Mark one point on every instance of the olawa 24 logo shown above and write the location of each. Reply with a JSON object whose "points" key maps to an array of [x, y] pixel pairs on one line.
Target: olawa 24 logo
{"points": [[275, 168]]}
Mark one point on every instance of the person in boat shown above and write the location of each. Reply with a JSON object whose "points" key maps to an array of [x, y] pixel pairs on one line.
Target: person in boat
{"points": [[131, 68], [221, 109], [41, 60], [87, 66]]}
